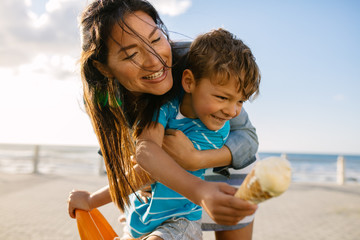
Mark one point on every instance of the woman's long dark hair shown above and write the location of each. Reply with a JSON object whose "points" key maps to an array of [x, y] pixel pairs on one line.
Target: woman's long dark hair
{"points": [[114, 110]]}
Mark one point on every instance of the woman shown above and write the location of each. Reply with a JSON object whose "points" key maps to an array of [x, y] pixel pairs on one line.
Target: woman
{"points": [[127, 68]]}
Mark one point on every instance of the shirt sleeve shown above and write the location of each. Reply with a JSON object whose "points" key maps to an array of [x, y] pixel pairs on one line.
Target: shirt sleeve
{"points": [[167, 111], [243, 141]]}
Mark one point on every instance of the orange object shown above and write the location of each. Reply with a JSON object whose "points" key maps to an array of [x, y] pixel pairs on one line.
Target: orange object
{"points": [[93, 226]]}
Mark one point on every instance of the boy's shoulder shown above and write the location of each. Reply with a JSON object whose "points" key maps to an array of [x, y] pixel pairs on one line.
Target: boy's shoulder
{"points": [[171, 106], [225, 130]]}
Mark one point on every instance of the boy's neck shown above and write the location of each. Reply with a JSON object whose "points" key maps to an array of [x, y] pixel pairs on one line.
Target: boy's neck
{"points": [[186, 107]]}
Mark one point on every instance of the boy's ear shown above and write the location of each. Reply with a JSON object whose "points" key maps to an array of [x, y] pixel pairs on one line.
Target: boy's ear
{"points": [[188, 80], [103, 69]]}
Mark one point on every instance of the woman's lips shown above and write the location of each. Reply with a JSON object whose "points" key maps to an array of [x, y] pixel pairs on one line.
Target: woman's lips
{"points": [[158, 76]]}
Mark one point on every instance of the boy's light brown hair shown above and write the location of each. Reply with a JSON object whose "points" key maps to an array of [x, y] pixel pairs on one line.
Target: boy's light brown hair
{"points": [[220, 56]]}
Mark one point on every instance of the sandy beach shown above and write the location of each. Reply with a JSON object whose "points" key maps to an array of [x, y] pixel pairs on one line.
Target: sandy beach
{"points": [[34, 207]]}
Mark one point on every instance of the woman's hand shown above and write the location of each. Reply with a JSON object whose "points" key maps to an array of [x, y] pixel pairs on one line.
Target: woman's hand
{"points": [[78, 200], [179, 147], [218, 200]]}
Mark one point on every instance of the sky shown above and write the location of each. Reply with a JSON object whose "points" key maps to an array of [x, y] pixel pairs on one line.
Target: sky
{"points": [[308, 53]]}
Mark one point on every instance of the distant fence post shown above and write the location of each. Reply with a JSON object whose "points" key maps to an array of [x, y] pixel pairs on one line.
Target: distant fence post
{"points": [[101, 166], [341, 170], [36, 159]]}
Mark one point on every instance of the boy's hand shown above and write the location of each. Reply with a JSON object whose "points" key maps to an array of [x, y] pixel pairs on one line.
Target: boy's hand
{"points": [[179, 147], [145, 193], [78, 200]]}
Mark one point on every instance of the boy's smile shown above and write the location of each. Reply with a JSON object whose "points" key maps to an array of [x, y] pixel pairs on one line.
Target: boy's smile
{"points": [[213, 103]]}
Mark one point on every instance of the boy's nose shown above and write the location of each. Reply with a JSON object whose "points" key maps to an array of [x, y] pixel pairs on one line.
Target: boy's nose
{"points": [[232, 110]]}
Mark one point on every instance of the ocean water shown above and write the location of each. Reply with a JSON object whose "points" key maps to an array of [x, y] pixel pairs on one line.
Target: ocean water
{"points": [[85, 160]]}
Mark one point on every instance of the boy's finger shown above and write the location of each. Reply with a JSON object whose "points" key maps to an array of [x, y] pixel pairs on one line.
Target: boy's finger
{"points": [[170, 131]]}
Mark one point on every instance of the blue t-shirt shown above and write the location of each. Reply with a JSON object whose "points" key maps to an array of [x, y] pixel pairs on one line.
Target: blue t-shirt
{"points": [[143, 218]]}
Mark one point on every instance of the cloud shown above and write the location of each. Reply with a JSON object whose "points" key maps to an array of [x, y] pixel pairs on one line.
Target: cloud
{"points": [[60, 67], [24, 34], [171, 7], [29, 36]]}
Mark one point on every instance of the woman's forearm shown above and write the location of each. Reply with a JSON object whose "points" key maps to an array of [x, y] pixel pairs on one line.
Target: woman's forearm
{"points": [[165, 170], [217, 199]]}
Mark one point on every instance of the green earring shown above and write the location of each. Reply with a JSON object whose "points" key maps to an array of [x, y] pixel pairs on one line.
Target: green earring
{"points": [[102, 98]]}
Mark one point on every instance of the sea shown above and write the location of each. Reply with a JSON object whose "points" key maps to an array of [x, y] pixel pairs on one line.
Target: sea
{"points": [[67, 160]]}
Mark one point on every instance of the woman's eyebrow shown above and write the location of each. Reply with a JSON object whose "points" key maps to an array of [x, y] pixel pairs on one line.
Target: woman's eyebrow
{"points": [[153, 32], [134, 45], [127, 47]]}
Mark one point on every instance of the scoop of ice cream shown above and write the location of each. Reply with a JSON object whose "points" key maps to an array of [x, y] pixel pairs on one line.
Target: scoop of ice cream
{"points": [[274, 175]]}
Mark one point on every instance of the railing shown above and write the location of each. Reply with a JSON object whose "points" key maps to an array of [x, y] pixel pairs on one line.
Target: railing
{"points": [[74, 159], [36, 160], [340, 170], [25, 158]]}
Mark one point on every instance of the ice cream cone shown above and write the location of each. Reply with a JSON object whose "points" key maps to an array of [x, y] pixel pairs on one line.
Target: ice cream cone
{"points": [[269, 178]]}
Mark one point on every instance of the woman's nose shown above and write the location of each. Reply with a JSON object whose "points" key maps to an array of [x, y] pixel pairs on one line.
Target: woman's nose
{"points": [[150, 59]]}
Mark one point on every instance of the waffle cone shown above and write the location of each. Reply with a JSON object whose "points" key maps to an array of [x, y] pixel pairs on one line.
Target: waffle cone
{"points": [[250, 189]]}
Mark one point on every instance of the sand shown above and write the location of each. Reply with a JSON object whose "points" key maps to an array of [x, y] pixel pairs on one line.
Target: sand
{"points": [[35, 207]]}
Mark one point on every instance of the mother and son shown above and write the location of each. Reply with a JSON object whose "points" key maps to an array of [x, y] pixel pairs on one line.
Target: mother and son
{"points": [[163, 114]]}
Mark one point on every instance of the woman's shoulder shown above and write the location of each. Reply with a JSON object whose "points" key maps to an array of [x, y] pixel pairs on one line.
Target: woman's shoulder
{"points": [[180, 48]]}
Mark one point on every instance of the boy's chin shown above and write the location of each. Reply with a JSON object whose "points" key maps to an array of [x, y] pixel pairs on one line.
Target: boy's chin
{"points": [[214, 127]]}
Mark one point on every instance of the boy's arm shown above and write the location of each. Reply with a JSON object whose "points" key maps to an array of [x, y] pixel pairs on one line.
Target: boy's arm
{"points": [[180, 148], [86, 201], [238, 152]]}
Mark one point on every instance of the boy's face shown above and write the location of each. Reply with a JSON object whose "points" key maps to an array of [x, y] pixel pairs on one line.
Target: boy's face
{"points": [[214, 104]]}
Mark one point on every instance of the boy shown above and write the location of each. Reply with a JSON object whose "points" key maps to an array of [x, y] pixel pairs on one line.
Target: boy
{"points": [[221, 73]]}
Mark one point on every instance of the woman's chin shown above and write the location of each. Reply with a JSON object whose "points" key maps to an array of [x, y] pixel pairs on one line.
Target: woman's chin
{"points": [[161, 91], [161, 88]]}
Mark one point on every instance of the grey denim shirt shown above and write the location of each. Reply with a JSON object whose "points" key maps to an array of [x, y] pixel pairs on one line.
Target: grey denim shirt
{"points": [[243, 141]]}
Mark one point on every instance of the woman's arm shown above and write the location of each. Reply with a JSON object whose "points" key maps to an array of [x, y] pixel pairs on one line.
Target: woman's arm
{"points": [[243, 141], [216, 198], [238, 152]]}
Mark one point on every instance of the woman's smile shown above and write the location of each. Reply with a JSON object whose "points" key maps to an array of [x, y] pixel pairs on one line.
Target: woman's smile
{"points": [[158, 76]]}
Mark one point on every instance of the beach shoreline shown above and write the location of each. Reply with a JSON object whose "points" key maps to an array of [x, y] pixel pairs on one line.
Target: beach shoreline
{"points": [[85, 160], [33, 206]]}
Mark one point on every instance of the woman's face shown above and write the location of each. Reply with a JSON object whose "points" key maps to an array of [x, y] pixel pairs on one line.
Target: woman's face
{"points": [[133, 63]]}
